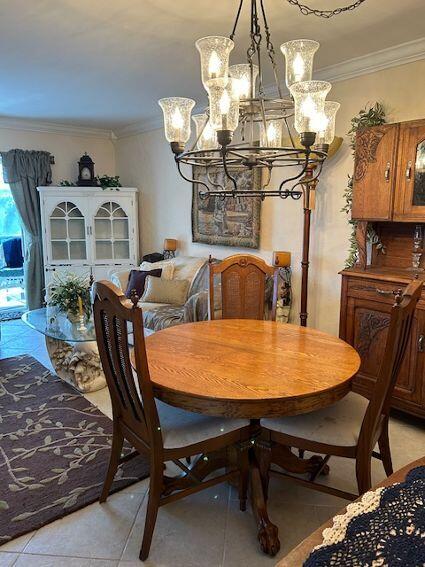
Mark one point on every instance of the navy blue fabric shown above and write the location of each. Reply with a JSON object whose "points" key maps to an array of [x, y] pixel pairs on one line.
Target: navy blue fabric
{"points": [[12, 250], [391, 535]]}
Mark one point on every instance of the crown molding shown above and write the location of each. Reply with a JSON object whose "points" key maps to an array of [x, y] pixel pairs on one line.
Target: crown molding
{"points": [[371, 63], [54, 128]]}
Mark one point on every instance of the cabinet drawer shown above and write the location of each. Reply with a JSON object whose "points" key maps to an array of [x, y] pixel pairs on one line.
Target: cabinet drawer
{"points": [[373, 289]]}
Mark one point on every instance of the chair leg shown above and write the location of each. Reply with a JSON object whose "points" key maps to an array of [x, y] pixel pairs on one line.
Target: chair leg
{"points": [[114, 461], [385, 451], [155, 489], [364, 473], [243, 477]]}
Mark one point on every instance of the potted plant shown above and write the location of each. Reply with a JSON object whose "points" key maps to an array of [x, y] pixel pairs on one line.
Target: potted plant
{"points": [[71, 295]]}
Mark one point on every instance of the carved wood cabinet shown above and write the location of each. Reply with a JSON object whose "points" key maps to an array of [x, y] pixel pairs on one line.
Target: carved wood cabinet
{"points": [[389, 194]]}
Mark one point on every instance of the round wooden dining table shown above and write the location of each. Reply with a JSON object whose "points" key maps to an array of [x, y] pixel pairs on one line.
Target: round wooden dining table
{"points": [[250, 369]]}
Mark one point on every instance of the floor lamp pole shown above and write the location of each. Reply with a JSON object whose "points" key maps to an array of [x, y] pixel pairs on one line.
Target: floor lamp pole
{"points": [[309, 194]]}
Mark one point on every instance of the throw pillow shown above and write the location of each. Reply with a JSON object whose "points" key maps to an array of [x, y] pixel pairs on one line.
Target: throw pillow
{"points": [[158, 290], [167, 267], [137, 281]]}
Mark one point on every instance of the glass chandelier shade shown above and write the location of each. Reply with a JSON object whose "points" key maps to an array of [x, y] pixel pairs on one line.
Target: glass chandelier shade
{"points": [[205, 134], [299, 55], [224, 106], [215, 53], [271, 136], [309, 98], [177, 111], [244, 75], [326, 128]]}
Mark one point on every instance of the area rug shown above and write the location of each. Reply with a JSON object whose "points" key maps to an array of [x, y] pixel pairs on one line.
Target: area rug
{"points": [[54, 449]]}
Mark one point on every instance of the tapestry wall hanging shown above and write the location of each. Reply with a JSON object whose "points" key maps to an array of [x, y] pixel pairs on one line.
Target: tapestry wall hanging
{"points": [[227, 222]]}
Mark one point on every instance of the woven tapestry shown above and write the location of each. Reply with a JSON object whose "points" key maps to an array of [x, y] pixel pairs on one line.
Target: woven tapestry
{"points": [[230, 221]]}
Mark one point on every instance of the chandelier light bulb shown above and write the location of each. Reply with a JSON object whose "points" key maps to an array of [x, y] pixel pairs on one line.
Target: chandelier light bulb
{"points": [[326, 123], [298, 68], [299, 56], [205, 134], [214, 65], [177, 111], [224, 106], [271, 136], [242, 73], [177, 120], [309, 98], [215, 53]]}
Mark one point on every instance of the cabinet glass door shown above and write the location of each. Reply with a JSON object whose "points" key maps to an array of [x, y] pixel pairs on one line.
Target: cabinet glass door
{"points": [[111, 232], [419, 178], [67, 233]]}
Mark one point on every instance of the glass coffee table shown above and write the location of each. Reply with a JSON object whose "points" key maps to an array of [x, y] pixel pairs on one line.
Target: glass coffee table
{"points": [[73, 350]]}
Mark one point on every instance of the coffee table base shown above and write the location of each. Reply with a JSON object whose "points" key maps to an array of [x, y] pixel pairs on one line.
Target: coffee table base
{"points": [[77, 363]]}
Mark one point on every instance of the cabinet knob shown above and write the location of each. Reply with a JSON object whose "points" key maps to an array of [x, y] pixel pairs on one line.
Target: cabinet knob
{"points": [[409, 170], [387, 171], [421, 343]]}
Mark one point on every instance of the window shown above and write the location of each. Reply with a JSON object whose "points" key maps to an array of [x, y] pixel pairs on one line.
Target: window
{"points": [[10, 224]]}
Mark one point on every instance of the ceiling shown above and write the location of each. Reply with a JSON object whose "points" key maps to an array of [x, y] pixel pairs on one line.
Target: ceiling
{"points": [[105, 64]]}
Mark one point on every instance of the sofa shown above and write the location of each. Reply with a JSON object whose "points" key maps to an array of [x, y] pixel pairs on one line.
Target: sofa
{"points": [[158, 316]]}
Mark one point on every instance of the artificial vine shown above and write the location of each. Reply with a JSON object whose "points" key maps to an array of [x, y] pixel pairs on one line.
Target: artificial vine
{"points": [[369, 116]]}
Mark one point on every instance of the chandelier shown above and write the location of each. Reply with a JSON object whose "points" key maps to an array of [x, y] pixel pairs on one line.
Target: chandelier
{"points": [[245, 128]]}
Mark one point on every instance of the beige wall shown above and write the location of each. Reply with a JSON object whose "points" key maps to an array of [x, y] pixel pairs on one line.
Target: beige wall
{"points": [[66, 148], [145, 161]]}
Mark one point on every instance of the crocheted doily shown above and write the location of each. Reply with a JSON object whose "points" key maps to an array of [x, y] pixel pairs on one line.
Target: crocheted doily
{"points": [[385, 528]]}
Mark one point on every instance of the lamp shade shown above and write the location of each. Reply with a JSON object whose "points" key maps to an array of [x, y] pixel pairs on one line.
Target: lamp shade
{"points": [[326, 132], [309, 98], [242, 73], [299, 55], [214, 52], [224, 106], [177, 111], [170, 244], [205, 134]]}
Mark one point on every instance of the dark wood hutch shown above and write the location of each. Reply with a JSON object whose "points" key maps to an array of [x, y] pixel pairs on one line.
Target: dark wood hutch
{"points": [[389, 192]]}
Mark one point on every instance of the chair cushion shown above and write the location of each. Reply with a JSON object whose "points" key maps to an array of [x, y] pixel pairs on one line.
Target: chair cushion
{"points": [[173, 292], [338, 424], [181, 428]]}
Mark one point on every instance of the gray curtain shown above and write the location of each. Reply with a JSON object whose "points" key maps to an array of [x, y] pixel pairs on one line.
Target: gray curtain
{"points": [[25, 170]]}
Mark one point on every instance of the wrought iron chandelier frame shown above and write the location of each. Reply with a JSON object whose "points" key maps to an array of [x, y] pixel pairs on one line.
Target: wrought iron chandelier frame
{"points": [[236, 156]]}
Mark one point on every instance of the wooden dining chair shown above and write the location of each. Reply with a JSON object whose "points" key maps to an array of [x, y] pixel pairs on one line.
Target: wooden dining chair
{"points": [[243, 279], [353, 426], [161, 432]]}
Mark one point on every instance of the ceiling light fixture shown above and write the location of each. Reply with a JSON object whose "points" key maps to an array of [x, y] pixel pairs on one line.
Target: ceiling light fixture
{"points": [[242, 126]]}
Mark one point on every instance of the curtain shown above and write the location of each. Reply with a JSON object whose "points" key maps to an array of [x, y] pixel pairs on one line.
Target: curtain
{"points": [[25, 170]]}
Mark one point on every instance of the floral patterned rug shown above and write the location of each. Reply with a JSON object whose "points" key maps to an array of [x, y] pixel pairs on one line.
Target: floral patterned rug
{"points": [[54, 449]]}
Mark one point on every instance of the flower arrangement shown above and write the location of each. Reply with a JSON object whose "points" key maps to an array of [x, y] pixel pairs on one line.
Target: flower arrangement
{"points": [[71, 294]]}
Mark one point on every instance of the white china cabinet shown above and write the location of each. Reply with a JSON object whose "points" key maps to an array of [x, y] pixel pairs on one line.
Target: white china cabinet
{"points": [[88, 230]]}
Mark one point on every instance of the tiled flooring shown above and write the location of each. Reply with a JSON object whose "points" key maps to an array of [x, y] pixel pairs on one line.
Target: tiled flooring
{"points": [[206, 529]]}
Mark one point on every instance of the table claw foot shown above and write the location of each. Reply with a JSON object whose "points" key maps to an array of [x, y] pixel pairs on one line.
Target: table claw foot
{"points": [[268, 538]]}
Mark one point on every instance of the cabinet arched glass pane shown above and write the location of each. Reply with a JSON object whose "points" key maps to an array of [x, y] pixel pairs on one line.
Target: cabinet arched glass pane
{"points": [[419, 180], [67, 233], [111, 230]]}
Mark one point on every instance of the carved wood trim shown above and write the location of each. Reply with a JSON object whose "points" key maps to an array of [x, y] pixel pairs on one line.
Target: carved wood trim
{"points": [[367, 142]]}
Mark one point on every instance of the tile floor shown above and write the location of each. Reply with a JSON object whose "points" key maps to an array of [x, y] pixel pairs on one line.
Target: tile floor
{"points": [[206, 529]]}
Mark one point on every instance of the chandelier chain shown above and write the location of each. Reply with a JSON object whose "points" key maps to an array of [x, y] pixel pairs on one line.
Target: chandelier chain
{"points": [[307, 11]]}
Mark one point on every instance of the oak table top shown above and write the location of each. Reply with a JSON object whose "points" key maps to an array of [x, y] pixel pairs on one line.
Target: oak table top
{"points": [[248, 368]]}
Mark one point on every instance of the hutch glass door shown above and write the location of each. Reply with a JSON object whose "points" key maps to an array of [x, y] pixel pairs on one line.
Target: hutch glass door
{"points": [[111, 232], [67, 234]]}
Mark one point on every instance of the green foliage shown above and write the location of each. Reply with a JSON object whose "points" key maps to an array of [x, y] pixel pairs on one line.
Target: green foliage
{"points": [[106, 181], [369, 116], [66, 183], [67, 289]]}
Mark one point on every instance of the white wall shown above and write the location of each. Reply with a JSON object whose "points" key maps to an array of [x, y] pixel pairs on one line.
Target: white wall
{"points": [[145, 161], [67, 149]]}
